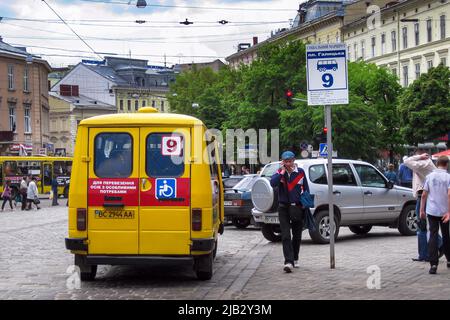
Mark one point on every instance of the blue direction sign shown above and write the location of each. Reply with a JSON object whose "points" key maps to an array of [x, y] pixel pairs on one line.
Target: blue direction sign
{"points": [[323, 150]]}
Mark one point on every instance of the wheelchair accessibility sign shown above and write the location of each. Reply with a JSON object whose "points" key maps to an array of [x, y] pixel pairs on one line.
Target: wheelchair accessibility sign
{"points": [[326, 66], [166, 188]]}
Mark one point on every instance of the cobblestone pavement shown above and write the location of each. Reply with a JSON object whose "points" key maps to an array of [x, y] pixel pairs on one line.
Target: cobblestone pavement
{"points": [[34, 261]]}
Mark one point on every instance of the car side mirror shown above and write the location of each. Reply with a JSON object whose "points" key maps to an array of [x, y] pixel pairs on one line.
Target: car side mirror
{"points": [[390, 185]]}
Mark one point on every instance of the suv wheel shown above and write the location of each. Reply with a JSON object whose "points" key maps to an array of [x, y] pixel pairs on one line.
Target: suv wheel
{"points": [[407, 224], [360, 229], [323, 228], [241, 223], [271, 232]]}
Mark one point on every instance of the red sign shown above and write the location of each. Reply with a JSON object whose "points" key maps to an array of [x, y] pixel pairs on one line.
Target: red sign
{"points": [[110, 191]]}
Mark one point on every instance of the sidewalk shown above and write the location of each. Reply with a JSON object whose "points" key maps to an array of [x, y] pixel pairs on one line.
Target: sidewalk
{"points": [[382, 250]]}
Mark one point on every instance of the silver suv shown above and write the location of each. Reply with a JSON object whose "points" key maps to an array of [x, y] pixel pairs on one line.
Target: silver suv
{"points": [[363, 198]]}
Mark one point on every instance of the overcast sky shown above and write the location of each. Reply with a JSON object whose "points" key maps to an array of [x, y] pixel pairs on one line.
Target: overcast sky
{"points": [[205, 40]]}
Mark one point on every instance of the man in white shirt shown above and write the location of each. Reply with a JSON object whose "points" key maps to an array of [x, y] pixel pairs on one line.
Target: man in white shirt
{"points": [[421, 165], [436, 196]]}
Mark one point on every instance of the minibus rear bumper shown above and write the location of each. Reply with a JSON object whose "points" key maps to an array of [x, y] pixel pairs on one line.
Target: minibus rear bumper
{"points": [[79, 244]]}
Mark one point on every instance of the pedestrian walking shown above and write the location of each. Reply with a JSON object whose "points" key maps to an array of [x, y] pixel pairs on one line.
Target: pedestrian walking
{"points": [[291, 182], [23, 191], [436, 196], [55, 192], [421, 166], [390, 174], [6, 195], [32, 194], [405, 175]]}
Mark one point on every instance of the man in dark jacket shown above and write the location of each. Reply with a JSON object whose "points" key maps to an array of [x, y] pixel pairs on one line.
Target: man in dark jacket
{"points": [[291, 181]]}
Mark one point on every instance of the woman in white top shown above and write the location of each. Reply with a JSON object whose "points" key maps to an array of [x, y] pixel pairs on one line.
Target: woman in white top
{"points": [[32, 193]]}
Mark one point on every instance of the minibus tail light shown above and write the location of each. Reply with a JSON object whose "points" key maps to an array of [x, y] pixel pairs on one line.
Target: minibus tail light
{"points": [[196, 219], [81, 219]]}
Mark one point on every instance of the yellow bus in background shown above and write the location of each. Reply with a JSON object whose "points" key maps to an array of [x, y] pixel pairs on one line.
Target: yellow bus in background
{"points": [[42, 167]]}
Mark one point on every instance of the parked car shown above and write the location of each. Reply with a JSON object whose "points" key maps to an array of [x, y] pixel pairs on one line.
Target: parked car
{"points": [[363, 198], [238, 203], [231, 181]]}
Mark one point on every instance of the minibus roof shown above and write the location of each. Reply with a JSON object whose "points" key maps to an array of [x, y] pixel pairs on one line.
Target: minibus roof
{"points": [[144, 116]]}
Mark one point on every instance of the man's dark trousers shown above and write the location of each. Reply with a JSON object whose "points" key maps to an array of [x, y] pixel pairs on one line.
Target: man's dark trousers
{"points": [[291, 246], [433, 249]]}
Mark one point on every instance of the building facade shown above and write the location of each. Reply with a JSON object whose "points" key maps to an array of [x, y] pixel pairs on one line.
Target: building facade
{"points": [[317, 21], [129, 84], [24, 105], [411, 37], [66, 113]]}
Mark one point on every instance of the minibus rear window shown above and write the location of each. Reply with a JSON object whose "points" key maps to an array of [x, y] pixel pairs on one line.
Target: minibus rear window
{"points": [[113, 155], [165, 155]]}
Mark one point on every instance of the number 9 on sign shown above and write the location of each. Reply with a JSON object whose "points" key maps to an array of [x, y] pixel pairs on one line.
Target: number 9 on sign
{"points": [[327, 80], [171, 146]]}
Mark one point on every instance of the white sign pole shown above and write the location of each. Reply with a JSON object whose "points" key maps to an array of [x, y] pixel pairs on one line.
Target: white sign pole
{"points": [[330, 186]]}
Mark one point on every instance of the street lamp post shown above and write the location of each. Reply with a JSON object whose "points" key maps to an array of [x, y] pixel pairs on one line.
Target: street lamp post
{"points": [[398, 39]]}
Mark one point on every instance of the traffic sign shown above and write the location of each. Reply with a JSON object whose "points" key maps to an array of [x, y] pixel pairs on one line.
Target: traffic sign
{"points": [[326, 67], [323, 150]]}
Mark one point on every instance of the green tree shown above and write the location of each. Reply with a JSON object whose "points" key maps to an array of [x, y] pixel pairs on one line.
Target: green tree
{"points": [[425, 106]]}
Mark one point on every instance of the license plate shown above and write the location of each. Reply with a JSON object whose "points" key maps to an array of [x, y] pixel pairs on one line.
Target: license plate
{"points": [[228, 203], [273, 220], [114, 214]]}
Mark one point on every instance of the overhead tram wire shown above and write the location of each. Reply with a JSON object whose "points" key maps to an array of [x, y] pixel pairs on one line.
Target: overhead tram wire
{"points": [[73, 30], [189, 7], [144, 38]]}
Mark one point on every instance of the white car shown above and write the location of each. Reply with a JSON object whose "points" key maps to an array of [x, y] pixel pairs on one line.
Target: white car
{"points": [[363, 198]]}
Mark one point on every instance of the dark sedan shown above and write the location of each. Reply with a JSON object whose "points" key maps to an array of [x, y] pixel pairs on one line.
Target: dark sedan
{"points": [[238, 203]]}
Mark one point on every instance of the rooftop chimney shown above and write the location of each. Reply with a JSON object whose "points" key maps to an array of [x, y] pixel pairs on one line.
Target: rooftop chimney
{"points": [[255, 40]]}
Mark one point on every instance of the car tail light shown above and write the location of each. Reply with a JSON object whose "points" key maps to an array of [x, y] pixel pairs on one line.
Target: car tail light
{"points": [[196, 219], [81, 219], [237, 203]]}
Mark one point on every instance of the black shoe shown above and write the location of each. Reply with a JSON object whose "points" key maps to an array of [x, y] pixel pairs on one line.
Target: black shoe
{"points": [[433, 270], [448, 264]]}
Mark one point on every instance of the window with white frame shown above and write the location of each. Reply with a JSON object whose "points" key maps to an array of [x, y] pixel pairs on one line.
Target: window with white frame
{"points": [[394, 71], [162, 106], [429, 31], [442, 24], [27, 119], [348, 52], [383, 43], [417, 70], [355, 50], [405, 76], [12, 118], [373, 42], [416, 34], [10, 77], [444, 61], [363, 49], [393, 41], [25, 79], [405, 37], [429, 64]]}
